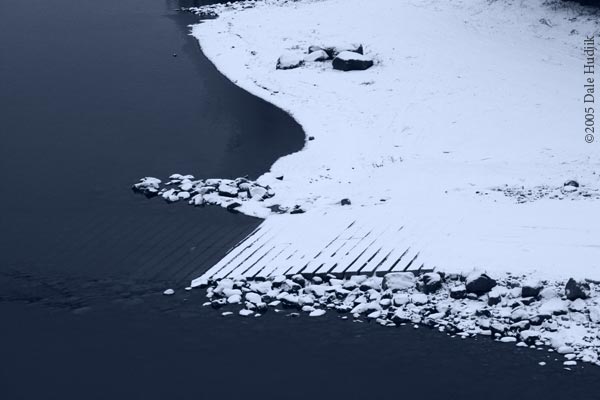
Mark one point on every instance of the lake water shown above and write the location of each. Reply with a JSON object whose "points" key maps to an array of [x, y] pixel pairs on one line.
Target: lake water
{"points": [[92, 99]]}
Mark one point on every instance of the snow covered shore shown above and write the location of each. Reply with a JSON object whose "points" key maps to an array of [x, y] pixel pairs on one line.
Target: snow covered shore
{"points": [[468, 132], [472, 112]]}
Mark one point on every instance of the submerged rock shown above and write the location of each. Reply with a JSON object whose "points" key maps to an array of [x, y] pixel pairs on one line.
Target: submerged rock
{"points": [[351, 61]]}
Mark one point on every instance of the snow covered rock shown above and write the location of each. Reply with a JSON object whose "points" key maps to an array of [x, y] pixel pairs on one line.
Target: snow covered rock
{"points": [[289, 61], [548, 293], [531, 288], [570, 186], [495, 295], [351, 61], [458, 292], [554, 306], [335, 50], [317, 313], [479, 283], [430, 282], [419, 298], [253, 298], [319, 55], [576, 290], [228, 190], [258, 192], [169, 292], [148, 186], [595, 314], [398, 281]]}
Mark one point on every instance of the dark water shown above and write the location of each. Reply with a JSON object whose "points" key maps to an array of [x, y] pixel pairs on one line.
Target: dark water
{"points": [[91, 99]]}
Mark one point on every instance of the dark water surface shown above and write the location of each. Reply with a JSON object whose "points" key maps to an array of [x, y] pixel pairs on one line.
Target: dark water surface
{"points": [[91, 99]]}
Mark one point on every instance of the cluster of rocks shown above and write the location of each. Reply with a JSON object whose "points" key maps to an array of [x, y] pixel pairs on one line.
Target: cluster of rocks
{"points": [[559, 317], [570, 190], [343, 58], [229, 193]]}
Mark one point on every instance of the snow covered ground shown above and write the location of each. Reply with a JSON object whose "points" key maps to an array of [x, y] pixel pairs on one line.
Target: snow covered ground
{"points": [[469, 123]]}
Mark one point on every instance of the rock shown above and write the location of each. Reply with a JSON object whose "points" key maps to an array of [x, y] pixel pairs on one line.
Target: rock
{"points": [[564, 349], [571, 183], [218, 303], [253, 297], [234, 299], [318, 55], [529, 336], [335, 50], [289, 61], [316, 313], [297, 210], [345, 202], [401, 317], [419, 298], [595, 314], [430, 282], [531, 288], [228, 190], [313, 48], [554, 306], [398, 281], [458, 292], [548, 293], [479, 283], [232, 207], [576, 290], [148, 186], [400, 299], [350, 61]]}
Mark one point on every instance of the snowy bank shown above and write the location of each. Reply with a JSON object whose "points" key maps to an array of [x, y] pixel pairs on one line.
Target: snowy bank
{"points": [[470, 122]]}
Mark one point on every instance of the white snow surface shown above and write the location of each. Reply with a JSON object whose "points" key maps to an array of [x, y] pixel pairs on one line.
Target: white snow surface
{"points": [[468, 103]]}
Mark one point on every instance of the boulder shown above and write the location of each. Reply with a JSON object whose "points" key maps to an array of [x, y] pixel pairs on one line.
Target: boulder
{"points": [[398, 281], [576, 290], [430, 282], [289, 61], [351, 61], [479, 283]]}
